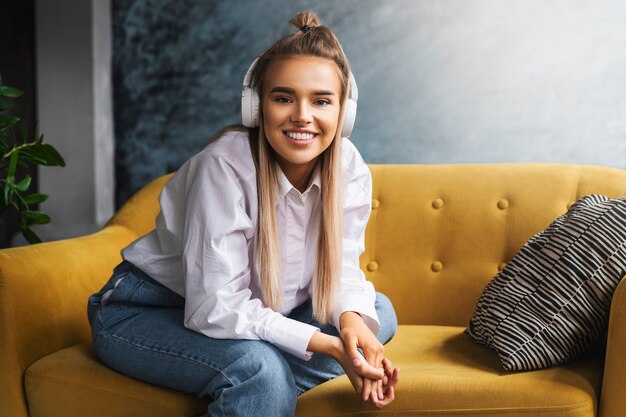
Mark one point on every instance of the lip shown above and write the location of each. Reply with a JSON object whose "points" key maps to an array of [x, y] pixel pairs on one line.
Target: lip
{"points": [[300, 131], [300, 143]]}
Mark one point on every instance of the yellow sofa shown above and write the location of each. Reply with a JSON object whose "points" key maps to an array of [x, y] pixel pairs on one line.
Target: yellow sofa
{"points": [[437, 235]]}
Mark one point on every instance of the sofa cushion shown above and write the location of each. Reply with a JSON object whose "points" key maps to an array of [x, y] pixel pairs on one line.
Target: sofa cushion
{"points": [[551, 302], [442, 372], [72, 382]]}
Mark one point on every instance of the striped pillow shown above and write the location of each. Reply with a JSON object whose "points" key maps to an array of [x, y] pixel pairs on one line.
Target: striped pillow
{"points": [[551, 302]]}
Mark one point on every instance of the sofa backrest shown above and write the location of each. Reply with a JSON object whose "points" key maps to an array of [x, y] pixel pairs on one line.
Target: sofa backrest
{"points": [[439, 233]]}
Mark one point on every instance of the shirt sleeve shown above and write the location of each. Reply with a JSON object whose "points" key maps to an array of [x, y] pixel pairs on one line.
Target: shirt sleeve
{"points": [[355, 292], [216, 267]]}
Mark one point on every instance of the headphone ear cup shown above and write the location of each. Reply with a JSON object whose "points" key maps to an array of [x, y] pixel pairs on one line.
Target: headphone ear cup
{"points": [[349, 118], [249, 107]]}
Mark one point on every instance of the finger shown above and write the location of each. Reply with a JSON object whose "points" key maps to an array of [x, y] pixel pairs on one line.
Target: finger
{"points": [[388, 371], [366, 370], [388, 399], [367, 389], [373, 354], [379, 383], [388, 366], [395, 377], [375, 399], [378, 386], [359, 385], [351, 343]]}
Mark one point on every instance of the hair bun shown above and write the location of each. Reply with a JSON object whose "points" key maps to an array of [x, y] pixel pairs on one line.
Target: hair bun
{"points": [[305, 21]]}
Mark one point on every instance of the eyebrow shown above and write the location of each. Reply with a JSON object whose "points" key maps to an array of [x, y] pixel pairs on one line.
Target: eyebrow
{"points": [[288, 90]]}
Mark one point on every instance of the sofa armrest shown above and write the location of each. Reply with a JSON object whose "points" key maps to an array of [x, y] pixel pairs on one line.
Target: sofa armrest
{"points": [[612, 400], [43, 301]]}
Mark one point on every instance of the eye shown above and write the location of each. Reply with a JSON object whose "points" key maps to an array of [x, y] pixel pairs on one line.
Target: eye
{"points": [[322, 102], [282, 100]]}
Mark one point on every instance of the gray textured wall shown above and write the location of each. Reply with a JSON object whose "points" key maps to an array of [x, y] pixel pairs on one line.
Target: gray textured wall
{"points": [[440, 81]]}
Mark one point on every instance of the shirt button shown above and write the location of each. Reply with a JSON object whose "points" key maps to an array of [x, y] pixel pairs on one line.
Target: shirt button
{"points": [[375, 204], [437, 203], [436, 266], [372, 266], [503, 204]]}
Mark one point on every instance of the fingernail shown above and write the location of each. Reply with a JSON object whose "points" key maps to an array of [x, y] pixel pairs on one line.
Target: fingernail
{"points": [[356, 361]]}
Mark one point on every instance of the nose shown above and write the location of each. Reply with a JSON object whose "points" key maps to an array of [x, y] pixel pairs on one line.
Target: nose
{"points": [[301, 113]]}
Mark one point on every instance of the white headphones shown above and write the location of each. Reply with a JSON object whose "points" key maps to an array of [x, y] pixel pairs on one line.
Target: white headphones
{"points": [[250, 104]]}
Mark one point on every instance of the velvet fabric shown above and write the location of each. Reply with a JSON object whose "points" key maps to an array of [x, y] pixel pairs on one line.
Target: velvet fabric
{"points": [[437, 235]]}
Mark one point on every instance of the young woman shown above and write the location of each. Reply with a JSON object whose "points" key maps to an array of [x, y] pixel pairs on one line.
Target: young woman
{"points": [[249, 290]]}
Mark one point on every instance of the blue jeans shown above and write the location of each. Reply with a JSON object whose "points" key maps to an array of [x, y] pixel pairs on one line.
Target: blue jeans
{"points": [[137, 329]]}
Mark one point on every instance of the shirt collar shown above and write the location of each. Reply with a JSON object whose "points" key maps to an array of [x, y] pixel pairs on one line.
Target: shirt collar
{"points": [[284, 186]]}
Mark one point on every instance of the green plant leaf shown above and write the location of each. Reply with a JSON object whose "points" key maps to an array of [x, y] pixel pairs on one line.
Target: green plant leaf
{"points": [[24, 184], [5, 105], [8, 193], [21, 204], [44, 154], [36, 216], [7, 121], [30, 236], [13, 163], [29, 156], [35, 198], [10, 91], [55, 156]]}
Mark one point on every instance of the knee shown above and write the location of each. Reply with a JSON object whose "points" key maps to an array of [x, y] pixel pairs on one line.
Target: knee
{"points": [[264, 367], [387, 317]]}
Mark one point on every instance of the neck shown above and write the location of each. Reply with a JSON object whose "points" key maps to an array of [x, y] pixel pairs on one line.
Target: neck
{"points": [[298, 175]]}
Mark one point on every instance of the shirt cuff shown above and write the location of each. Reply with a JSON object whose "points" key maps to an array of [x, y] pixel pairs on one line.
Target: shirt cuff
{"points": [[360, 304], [292, 336]]}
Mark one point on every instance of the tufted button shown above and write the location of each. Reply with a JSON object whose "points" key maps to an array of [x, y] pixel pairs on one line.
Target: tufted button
{"points": [[375, 203], [569, 205], [372, 266], [501, 266], [436, 266], [502, 204], [437, 203]]}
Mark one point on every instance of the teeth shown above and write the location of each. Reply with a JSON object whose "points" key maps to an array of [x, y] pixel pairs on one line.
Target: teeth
{"points": [[300, 136]]}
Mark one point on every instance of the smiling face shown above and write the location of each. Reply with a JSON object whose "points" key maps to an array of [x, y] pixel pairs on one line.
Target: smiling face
{"points": [[301, 104]]}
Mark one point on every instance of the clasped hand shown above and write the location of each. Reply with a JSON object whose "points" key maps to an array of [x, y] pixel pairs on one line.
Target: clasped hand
{"points": [[372, 374]]}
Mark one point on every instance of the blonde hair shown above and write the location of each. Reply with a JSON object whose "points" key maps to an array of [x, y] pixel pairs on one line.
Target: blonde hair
{"points": [[311, 39]]}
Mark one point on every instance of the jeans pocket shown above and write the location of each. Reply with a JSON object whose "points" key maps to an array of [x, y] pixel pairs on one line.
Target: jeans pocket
{"points": [[116, 289]]}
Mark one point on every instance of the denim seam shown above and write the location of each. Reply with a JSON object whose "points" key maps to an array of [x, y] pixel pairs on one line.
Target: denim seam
{"points": [[134, 290], [210, 365]]}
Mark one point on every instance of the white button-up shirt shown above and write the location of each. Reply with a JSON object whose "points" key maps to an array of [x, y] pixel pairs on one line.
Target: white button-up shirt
{"points": [[204, 248]]}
